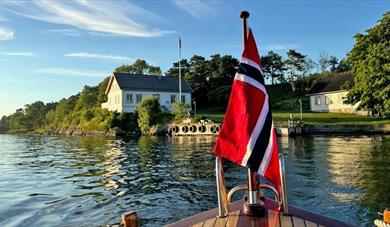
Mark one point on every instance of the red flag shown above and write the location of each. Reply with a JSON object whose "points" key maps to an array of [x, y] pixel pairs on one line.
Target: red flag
{"points": [[247, 135]]}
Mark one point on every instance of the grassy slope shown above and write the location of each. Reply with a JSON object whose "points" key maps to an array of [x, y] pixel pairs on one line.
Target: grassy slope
{"points": [[281, 96], [280, 118]]}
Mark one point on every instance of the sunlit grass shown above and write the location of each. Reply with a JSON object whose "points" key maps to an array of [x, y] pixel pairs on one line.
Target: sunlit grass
{"points": [[280, 117]]}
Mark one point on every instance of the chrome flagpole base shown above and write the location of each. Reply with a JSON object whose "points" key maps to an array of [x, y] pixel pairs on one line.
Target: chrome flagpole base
{"points": [[254, 206]]}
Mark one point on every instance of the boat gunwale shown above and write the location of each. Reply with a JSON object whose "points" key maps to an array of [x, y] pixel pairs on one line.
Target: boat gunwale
{"points": [[270, 205]]}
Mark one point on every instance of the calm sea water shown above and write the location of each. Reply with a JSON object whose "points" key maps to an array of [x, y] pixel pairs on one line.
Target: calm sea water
{"points": [[90, 181]]}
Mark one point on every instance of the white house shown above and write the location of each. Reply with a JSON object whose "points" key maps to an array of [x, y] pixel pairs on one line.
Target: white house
{"points": [[327, 95], [125, 91]]}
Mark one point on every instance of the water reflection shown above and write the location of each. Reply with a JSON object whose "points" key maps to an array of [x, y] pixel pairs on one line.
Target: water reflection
{"points": [[339, 176], [75, 181]]}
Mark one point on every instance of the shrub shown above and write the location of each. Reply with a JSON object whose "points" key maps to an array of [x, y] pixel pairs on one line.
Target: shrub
{"points": [[180, 110], [126, 121], [148, 114]]}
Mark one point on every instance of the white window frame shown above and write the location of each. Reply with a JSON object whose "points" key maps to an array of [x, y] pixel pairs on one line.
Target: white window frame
{"points": [[173, 98], [129, 98], [139, 98], [327, 101], [317, 100], [183, 98]]}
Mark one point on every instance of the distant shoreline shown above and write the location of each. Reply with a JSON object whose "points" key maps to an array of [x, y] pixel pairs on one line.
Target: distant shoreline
{"points": [[381, 129]]}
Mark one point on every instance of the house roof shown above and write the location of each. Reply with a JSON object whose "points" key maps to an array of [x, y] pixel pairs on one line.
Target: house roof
{"points": [[138, 82], [331, 84]]}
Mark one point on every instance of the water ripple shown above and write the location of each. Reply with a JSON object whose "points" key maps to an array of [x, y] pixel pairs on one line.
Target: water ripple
{"points": [[90, 181]]}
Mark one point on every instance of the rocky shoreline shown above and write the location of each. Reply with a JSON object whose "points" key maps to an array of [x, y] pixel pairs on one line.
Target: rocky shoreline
{"points": [[157, 130]]}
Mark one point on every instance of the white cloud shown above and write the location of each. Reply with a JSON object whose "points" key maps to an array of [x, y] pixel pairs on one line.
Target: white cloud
{"points": [[119, 18], [195, 8], [280, 46], [6, 34], [67, 31], [98, 56], [71, 72], [24, 54]]}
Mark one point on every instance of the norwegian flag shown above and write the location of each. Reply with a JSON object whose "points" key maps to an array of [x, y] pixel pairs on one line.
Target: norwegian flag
{"points": [[247, 135]]}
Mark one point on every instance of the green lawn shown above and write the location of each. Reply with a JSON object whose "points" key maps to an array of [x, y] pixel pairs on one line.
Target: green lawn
{"points": [[280, 118]]}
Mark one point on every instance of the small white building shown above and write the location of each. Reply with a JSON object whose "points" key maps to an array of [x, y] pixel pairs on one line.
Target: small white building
{"points": [[327, 95], [125, 91]]}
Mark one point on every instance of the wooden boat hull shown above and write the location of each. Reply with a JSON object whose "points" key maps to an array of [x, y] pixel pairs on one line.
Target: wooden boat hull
{"points": [[236, 217]]}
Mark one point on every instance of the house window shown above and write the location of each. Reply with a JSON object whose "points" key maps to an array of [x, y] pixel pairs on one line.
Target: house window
{"points": [[317, 100], [129, 98], [173, 98], [139, 98], [326, 100], [158, 96], [183, 99]]}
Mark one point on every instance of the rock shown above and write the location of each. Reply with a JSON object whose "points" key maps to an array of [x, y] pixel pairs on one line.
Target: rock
{"points": [[118, 131]]}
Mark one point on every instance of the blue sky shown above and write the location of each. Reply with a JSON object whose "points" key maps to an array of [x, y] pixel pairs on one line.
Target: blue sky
{"points": [[50, 49]]}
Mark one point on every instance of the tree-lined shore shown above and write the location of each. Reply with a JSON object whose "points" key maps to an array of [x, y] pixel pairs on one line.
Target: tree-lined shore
{"points": [[289, 79]]}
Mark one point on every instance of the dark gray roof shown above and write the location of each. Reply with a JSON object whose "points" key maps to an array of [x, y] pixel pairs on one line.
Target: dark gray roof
{"points": [[331, 84], [138, 82]]}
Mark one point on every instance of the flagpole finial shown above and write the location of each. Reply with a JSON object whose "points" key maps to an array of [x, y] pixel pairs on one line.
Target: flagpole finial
{"points": [[244, 14]]}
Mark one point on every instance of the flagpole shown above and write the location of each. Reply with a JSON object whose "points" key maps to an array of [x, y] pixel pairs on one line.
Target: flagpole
{"points": [[252, 206], [179, 70]]}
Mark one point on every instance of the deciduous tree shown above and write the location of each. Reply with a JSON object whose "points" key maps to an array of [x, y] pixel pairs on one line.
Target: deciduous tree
{"points": [[370, 59], [139, 67]]}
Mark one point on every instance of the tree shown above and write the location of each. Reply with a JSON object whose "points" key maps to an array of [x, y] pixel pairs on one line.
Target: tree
{"points": [[139, 67], [17, 121], [333, 62], [295, 64], [34, 115], [370, 59], [88, 98], [4, 124], [221, 70], [323, 61], [343, 66], [220, 96], [307, 66], [148, 114], [273, 67], [174, 71], [198, 76], [102, 97]]}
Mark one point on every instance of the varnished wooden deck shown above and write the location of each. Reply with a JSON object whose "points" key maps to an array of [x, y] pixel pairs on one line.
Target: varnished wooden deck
{"points": [[272, 218]]}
